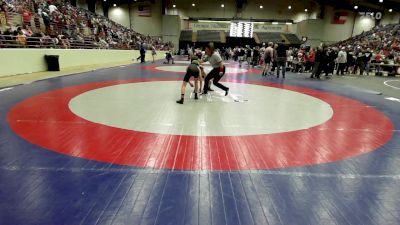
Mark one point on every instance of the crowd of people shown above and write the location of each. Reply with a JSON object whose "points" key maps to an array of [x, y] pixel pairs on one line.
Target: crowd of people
{"points": [[353, 56], [379, 47], [270, 57], [66, 26]]}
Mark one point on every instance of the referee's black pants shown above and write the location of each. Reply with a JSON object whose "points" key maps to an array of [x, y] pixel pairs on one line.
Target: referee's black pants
{"points": [[214, 74]]}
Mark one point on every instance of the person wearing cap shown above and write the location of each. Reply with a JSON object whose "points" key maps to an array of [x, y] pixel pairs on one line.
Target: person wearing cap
{"points": [[192, 70], [217, 72]]}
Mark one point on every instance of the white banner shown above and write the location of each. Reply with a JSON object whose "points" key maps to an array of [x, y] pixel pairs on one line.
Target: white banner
{"points": [[209, 26], [271, 28], [258, 27]]}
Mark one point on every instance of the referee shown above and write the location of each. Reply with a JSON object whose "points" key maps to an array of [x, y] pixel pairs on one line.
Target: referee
{"points": [[217, 72]]}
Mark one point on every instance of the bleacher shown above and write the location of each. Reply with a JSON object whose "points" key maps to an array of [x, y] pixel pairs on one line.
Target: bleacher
{"points": [[66, 27], [293, 39], [383, 41], [186, 35], [208, 36], [266, 37]]}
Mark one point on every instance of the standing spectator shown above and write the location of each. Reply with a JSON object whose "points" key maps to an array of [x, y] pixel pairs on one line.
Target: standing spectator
{"points": [[153, 52], [311, 60], [256, 56], [290, 57], [342, 61], [281, 58], [332, 55], [26, 17], [350, 62], [325, 60], [274, 63], [190, 53], [317, 67], [248, 56], [142, 54], [367, 60], [360, 61], [240, 55]]}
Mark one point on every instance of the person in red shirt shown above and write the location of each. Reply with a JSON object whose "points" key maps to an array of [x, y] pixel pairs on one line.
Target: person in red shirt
{"points": [[396, 45], [378, 57], [311, 60], [386, 52], [26, 16]]}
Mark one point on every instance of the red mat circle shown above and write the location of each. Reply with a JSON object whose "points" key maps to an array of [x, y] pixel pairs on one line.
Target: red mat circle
{"points": [[46, 120]]}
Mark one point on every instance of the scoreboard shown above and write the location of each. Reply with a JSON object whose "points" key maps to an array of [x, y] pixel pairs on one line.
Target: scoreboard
{"points": [[241, 29]]}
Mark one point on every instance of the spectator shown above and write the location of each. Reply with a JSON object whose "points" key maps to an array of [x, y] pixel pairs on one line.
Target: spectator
{"points": [[342, 61], [21, 39], [281, 58], [2, 40]]}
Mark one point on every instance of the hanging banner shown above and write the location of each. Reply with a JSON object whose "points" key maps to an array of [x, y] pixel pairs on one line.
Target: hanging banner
{"points": [[209, 26], [226, 26]]}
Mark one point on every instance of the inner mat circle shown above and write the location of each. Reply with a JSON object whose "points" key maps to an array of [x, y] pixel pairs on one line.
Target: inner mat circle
{"points": [[150, 107], [207, 68], [188, 62]]}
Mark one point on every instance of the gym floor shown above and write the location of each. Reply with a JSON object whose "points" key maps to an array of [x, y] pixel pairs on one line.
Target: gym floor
{"points": [[111, 146]]}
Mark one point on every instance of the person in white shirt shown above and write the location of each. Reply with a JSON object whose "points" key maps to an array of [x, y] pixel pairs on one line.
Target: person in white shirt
{"points": [[153, 52], [52, 8], [342, 61]]}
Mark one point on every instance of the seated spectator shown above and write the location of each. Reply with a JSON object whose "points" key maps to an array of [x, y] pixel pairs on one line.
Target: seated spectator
{"points": [[60, 17], [2, 39], [21, 39], [390, 60], [8, 40], [34, 40], [52, 8], [103, 44], [3, 6], [45, 40], [27, 30]]}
